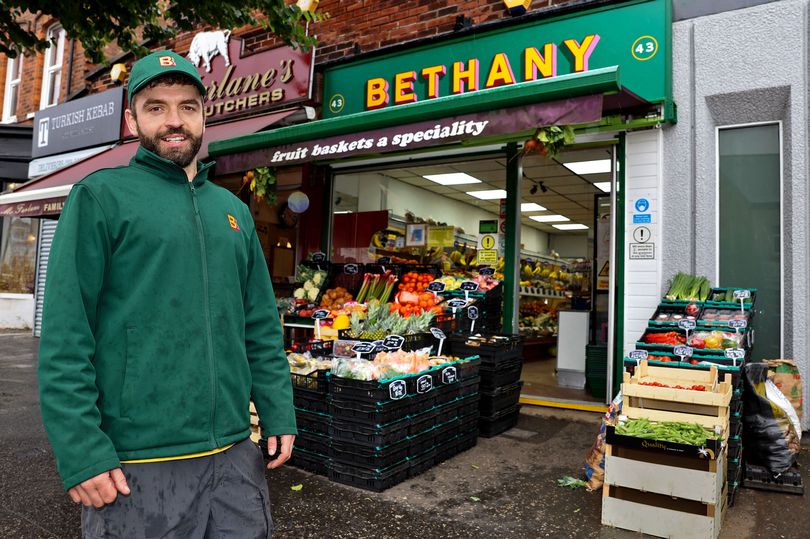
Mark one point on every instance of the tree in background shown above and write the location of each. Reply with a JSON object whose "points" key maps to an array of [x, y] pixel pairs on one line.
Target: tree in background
{"points": [[133, 24]]}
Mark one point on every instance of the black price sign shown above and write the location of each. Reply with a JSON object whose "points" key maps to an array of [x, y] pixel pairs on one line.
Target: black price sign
{"points": [[738, 324], [394, 342], [472, 312], [384, 260], [638, 355], [742, 294], [684, 351], [449, 375], [318, 257], [734, 353], [363, 348], [424, 383], [439, 334], [457, 303], [435, 286], [688, 325], [487, 272], [468, 286], [320, 314], [397, 389], [351, 269]]}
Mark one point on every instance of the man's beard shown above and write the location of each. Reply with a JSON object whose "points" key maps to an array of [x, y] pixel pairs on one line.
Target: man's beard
{"points": [[179, 156]]}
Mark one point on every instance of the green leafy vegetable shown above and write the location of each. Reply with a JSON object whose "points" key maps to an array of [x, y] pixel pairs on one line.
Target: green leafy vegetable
{"points": [[571, 482], [668, 431]]}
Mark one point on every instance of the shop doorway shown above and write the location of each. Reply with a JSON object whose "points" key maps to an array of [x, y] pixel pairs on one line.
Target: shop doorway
{"points": [[434, 212]]}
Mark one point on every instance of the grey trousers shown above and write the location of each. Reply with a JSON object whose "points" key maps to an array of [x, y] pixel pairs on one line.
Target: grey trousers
{"points": [[216, 497]]}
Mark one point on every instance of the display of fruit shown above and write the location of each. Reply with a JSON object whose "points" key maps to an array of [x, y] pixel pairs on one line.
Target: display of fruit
{"points": [[335, 298]]}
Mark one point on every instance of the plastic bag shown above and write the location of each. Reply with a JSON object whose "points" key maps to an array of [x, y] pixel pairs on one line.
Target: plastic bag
{"points": [[595, 461], [771, 428], [786, 376]]}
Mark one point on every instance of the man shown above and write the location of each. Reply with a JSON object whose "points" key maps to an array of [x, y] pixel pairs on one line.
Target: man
{"points": [[159, 325]]}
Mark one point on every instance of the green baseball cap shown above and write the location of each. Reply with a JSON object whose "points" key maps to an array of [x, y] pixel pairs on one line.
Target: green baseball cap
{"points": [[156, 65]]}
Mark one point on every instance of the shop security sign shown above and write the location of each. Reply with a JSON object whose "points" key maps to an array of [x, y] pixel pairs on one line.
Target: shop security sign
{"points": [[82, 123]]}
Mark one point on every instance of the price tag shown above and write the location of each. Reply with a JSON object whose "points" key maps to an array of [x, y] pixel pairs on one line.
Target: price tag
{"points": [[378, 346], [318, 258], [439, 334], [735, 354], [487, 272], [638, 355], [738, 324], [457, 303], [363, 348], [468, 286], [472, 312], [435, 286], [424, 383], [449, 375], [742, 294], [394, 342], [688, 325], [684, 351], [320, 314], [351, 269], [397, 389], [384, 260]]}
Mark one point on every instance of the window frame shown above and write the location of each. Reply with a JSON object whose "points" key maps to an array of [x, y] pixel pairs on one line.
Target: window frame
{"points": [[780, 129], [55, 70], [12, 65]]}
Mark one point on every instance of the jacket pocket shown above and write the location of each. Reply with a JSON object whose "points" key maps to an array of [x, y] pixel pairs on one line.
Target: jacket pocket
{"points": [[129, 378]]}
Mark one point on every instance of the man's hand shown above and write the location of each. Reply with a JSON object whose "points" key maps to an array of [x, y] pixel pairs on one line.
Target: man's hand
{"points": [[102, 489], [286, 449]]}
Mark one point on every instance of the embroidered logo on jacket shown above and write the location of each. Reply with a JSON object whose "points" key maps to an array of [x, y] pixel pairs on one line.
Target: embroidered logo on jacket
{"points": [[166, 61], [232, 222]]}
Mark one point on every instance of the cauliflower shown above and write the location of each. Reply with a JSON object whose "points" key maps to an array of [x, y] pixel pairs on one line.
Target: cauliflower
{"points": [[312, 294], [299, 293], [317, 278], [308, 286]]}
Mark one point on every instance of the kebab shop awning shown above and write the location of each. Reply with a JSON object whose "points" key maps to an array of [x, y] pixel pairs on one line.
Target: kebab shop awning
{"points": [[466, 118], [46, 195]]}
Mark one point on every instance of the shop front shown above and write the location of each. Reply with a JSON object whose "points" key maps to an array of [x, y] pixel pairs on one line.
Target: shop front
{"points": [[520, 148]]}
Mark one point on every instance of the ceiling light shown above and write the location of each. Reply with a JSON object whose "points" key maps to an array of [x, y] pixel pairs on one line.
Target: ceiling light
{"points": [[570, 227], [344, 211], [549, 218], [490, 194], [603, 186], [589, 167], [531, 206], [454, 178]]}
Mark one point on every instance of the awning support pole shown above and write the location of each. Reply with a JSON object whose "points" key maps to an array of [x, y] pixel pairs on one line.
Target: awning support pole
{"points": [[511, 284]]}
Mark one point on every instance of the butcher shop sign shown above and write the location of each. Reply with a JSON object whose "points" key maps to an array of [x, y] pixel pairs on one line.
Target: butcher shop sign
{"points": [[239, 83]]}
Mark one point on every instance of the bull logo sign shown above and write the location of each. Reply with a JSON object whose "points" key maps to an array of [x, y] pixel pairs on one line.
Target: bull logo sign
{"points": [[206, 45]]}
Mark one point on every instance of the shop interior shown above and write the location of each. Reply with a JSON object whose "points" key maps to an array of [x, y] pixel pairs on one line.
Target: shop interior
{"points": [[432, 212]]}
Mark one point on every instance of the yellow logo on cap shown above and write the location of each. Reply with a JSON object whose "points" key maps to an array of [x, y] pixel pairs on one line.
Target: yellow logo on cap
{"points": [[167, 61]]}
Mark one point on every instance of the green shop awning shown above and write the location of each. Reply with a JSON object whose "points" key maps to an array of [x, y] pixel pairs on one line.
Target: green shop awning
{"points": [[432, 122]]}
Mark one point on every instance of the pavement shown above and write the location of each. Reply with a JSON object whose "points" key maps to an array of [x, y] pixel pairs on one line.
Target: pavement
{"points": [[503, 487]]}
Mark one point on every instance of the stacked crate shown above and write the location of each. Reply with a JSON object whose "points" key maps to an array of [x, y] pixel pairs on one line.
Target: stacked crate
{"points": [[501, 365], [312, 417], [660, 487], [383, 432]]}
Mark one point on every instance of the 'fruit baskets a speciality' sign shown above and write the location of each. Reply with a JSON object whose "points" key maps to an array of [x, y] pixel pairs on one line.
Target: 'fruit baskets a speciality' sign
{"points": [[394, 342]]}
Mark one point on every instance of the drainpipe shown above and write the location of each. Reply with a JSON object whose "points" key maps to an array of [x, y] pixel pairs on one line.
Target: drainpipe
{"points": [[70, 68]]}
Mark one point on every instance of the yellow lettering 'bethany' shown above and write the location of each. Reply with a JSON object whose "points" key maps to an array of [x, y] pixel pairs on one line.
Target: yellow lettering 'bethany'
{"points": [[465, 75]]}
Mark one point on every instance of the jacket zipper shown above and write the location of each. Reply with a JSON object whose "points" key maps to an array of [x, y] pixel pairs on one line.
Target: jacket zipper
{"points": [[207, 309]]}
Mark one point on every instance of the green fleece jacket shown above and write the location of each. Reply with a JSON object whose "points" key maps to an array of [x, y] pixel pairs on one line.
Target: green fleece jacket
{"points": [[159, 323]]}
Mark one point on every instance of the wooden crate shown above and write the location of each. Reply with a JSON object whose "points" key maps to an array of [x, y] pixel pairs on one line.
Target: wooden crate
{"points": [[663, 494], [714, 402]]}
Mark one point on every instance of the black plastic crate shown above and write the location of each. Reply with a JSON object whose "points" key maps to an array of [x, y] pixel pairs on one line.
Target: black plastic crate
{"points": [[508, 374], [369, 436], [371, 391], [422, 422], [312, 462], [446, 394], [446, 431], [447, 412], [469, 387], [310, 402], [759, 477], [315, 382], [469, 367], [422, 462], [365, 457], [312, 442], [469, 421], [446, 449], [469, 404], [505, 348], [498, 423], [376, 481], [376, 413], [315, 348], [422, 442], [504, 397], [467, 440], [312, 421]]}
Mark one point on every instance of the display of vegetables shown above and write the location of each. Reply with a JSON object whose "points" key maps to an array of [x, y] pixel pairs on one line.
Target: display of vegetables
{"points": [[313, 280], [715, 340], [728, 296], [668, 431], [415, 282], [696, 387], [381, 322], [669, 338], [715, 317], [377, 286], [408, 303], [384, 365], [306, 364], [689, 287]]}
